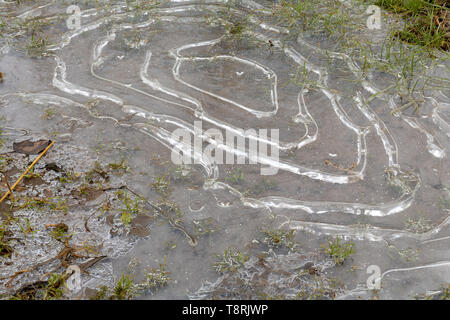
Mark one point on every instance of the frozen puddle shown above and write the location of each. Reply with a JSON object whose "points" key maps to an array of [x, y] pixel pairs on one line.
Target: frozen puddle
{"points": [[361, 154]]}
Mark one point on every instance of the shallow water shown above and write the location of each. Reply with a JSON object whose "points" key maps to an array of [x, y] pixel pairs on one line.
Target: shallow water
{"points": [[348, 167]]}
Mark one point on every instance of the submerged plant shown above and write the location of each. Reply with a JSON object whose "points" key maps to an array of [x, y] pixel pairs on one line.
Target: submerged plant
{"points": [[235, 176], [279, 238], [48, 114], [121, 166], [130, 207], [37, 46], [420, 225], [161, 184], [124, 289], [339, 251], [55, 287], [445, 292], [230, 261], [59, 231], [155, 278], [5, 249]]}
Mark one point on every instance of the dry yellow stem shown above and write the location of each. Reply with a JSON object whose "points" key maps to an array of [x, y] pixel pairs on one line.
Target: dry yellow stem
{"points": [[26, 171]]}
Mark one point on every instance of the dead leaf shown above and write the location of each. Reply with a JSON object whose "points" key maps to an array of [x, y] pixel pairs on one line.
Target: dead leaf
{"points": [[31, 147], [53, 166]]}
